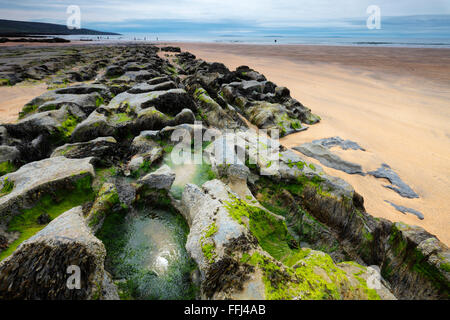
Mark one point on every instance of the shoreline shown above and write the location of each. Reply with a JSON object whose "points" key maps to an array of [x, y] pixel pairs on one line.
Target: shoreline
{"points": [[434, 63]]}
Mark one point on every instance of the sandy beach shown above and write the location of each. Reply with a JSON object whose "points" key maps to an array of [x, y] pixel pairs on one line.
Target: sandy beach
{"points": [[393, 101], [12, 99]]}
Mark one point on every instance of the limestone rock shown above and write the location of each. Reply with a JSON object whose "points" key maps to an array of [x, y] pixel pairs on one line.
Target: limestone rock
{"points": [[96, 125], [271, 116], [8, 153], [145, 87], [328, 158], [101, 148], [225, 248], [159, 179], [39, 177], [169, 102], [214, 114], [397, 184], [114, 71]]}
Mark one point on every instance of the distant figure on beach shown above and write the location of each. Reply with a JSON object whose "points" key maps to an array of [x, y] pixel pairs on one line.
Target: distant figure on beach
{"points": [[275, 40]]}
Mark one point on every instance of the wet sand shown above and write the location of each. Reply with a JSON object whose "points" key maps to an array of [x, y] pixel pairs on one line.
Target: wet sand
{"points": [[395, 102], [12, 99]]}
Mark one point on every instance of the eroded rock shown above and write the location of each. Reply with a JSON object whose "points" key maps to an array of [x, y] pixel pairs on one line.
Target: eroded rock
{"points": [[329, 159], [397, 184], [35, 178], [226, 242], [159, 179]]}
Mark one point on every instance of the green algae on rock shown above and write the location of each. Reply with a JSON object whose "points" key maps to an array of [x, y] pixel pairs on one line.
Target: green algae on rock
{"points": [[26, 223]]}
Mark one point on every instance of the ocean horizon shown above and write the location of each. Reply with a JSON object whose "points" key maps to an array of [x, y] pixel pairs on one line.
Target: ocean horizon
{"points": [[272, 39]]}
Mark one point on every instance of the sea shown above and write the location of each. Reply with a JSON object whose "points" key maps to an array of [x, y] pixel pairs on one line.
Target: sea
{"points": [[427, 31], [272, 39]]}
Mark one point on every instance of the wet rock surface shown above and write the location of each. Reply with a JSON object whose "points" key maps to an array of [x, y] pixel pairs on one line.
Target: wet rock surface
{"points": [[398, 185], [159, 179], [329, 159], [406, 210], [102, 148], [337, 141]]}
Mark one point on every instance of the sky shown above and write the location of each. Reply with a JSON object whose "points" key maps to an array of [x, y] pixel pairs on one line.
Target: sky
{"points": [[136, 15]]}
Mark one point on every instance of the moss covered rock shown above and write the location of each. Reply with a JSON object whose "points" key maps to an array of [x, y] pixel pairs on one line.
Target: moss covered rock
{"points": [[35, 179], [246, 252], [106, 200], [65, 242]]}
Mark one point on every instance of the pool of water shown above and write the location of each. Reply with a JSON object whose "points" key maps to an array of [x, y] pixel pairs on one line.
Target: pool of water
{"points": [[146, 253], [189, 172]]}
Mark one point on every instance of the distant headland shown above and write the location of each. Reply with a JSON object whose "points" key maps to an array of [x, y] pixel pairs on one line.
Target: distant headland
{"points": [[11, 28]]}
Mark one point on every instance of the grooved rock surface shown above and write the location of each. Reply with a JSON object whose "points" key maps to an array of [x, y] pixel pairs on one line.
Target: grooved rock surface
{"points": [[229, 251], [327, 158], [337, 141], [159, 179], [100, 148], [38, 177], [397, 184]]}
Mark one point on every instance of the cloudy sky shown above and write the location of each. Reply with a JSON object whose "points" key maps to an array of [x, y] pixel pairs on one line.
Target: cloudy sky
{"points": [[265, 13]]}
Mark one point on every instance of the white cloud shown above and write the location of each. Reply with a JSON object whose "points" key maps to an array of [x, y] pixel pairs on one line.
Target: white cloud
{"points": [[264, 11]]}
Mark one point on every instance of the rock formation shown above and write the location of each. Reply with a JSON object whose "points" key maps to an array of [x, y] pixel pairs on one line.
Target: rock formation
{"points": [[258, 221]]}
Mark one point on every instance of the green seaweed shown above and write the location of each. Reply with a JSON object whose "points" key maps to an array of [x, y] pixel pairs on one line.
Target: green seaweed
{"points": [[208, 250], [211, 230], [304, 282], [208, 246], [27, 109], [122, 117], [99, 101], [270, 231], [5, 82], [8, 186], [6, 167], [55, 204], [127, 253], [67, 126], [104, 203]]}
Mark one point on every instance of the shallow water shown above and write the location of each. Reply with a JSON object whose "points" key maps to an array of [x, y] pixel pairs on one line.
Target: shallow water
{"points": [[189, 172], [149, 256]]}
